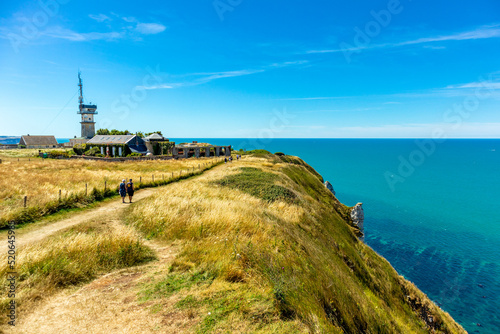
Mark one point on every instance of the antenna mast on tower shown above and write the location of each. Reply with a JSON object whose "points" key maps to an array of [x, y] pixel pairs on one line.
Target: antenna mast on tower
{"points": [[80, 99]]}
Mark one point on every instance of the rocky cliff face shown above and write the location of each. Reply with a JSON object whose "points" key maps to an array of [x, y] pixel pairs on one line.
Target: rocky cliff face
{"points": [[329, 186], [358, 215]]}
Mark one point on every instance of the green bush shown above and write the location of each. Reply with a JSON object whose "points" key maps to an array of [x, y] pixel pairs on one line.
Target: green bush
{"points": [[257, 183], [280, 154], [58, 153], [257, 152], [93, 151], [134, 154], [80, 148]]}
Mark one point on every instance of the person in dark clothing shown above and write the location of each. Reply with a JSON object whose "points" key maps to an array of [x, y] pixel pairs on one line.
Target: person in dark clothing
{"points": [[123, 190], [130, 190]]}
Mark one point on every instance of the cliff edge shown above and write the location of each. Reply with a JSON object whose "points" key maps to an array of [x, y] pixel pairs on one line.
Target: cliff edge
{"points": [[266, 247]]}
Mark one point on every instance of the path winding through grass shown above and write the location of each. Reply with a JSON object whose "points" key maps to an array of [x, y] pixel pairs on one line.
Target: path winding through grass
{"points": [[108, 303], [36, 234]]}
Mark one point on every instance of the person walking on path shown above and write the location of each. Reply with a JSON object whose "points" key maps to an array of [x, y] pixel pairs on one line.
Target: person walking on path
{"points": [[123, 190], [130, 190]]}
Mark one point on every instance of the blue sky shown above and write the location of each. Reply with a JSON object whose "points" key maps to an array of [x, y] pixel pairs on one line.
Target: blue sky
{"points": [[260, 69]]}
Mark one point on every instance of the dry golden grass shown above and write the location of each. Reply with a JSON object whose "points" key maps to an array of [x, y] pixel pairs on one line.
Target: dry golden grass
{"points": [[27, 152], [255, 263], [41, 180], [244, 262], [71, 257]]}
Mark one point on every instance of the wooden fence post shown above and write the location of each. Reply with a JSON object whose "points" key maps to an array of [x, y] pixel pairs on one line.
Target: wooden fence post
{"points": [[25, 200], [140, 179], [172, 175], [105, 185], [153, 178], [86, 189], [59, 194]]}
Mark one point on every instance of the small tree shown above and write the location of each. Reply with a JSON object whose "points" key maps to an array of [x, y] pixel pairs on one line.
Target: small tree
{"points": [[103, 132], [150, 133]]}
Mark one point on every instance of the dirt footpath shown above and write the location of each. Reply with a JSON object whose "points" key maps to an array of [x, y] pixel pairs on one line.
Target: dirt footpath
{"points": [[110, 304], [33, 235]]}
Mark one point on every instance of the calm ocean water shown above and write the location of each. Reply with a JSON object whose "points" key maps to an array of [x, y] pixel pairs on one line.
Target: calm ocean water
{"points": [[434, 216]]}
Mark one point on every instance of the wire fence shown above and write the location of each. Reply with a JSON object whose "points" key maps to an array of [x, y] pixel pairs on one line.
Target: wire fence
{"points": [[152, 180]]}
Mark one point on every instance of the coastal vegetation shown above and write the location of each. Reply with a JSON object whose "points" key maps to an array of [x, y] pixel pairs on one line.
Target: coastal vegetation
{"points": [[114, 132], [256, 245], [74, 256], [52, 185], [266, 247], [30, 152]]}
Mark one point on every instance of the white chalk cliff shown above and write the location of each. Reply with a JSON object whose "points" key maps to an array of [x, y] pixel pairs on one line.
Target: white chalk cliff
{"points": [[329, 186], [358, 216]]}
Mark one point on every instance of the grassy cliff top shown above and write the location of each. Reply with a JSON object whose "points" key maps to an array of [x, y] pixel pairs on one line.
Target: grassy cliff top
{"points": [[265, 247]]}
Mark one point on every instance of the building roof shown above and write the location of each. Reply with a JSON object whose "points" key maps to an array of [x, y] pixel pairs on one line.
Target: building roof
{"points": [[154, 136], [38, 140], [109, 139], [192, 145], [134, 143], [141, 148]]}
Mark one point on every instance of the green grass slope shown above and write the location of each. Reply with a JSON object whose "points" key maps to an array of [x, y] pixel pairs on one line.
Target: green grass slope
{"points": [[265, 247]]}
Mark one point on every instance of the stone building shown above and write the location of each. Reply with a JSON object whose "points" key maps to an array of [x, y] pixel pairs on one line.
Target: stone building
{"points": [[151, 141], [195, 149], [119, 145], [38, 141]]}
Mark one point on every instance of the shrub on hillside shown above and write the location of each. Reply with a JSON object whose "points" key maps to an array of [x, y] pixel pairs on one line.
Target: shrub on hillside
{"points": [[93, 151], [54, 154], [258, 183], [257, 152], [80, 148]]}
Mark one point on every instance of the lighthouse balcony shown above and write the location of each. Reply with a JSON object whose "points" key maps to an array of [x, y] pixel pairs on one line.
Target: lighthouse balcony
{"points": [[87, 111], [87, 122]]}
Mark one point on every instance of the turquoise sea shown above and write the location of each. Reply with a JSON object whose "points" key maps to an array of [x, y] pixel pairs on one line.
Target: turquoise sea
{"points": [[438, 224]]}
